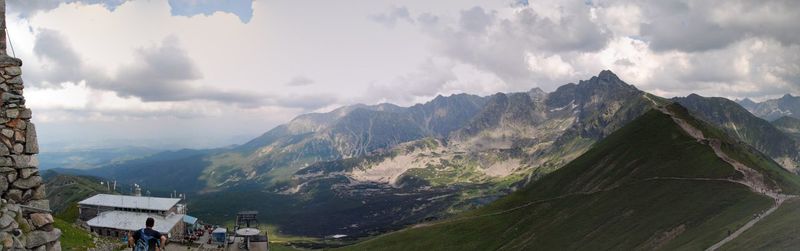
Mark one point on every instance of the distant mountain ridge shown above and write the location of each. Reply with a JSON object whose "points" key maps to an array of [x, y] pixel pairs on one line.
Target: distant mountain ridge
{"points": [[772, 109]]}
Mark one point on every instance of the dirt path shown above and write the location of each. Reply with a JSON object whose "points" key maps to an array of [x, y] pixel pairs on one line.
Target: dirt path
{"points": [[750, 177]]}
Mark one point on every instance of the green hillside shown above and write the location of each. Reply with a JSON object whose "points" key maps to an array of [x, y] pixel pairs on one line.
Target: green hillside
{"points": [[66, 190], [650, 185]]}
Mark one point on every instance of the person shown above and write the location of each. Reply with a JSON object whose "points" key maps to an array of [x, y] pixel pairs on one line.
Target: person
{"points": [[152, 240]]}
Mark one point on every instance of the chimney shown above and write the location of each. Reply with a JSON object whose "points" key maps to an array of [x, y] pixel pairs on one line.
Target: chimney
{"points": [[3, 27]]}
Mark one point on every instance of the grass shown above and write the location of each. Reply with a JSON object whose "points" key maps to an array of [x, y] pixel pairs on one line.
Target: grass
{"points": [[611, 197], [72, 237], [778, 231]]}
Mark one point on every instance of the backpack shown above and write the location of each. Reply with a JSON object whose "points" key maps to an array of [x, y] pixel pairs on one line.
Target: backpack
{"points": [[143, 243]]}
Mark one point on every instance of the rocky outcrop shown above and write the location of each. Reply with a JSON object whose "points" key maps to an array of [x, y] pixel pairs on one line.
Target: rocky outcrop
{"points": [[25, 219]]}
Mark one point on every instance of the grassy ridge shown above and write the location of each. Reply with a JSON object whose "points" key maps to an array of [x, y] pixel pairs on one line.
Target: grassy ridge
{"points": [[643, 187]]}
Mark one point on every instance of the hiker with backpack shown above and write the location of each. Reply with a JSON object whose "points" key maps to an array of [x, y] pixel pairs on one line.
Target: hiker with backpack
{"points": [[147, 239]]}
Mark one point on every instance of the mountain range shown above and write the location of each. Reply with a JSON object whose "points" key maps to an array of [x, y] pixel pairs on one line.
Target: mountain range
{"points": [[665, 181], [773, 109], [366, 169]]}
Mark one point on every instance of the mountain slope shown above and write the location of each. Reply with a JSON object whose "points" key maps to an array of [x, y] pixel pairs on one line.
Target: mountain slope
{"points": [[741, 124], [650, 185], [788, 125], [64, 191]]}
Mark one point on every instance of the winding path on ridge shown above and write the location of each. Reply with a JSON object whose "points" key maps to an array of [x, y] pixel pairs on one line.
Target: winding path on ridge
{"points": [[751, 178]]}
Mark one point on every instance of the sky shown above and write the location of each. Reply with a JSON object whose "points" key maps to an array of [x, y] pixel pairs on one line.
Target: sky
{"points": [[205, 73]]}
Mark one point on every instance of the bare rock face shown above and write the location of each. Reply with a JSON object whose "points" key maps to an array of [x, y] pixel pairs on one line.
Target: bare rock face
{"points": [[25, 219]]}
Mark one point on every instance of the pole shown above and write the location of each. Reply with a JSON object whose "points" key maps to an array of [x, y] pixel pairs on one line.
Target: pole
{"points": [[3, 28]]}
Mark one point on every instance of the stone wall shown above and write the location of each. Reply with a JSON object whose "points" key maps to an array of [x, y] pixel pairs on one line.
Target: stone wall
{"points": [[25, 219]]}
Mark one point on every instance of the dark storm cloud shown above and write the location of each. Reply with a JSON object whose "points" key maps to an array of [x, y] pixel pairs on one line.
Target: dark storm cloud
{"points": [[62, 62], [501, 45]]}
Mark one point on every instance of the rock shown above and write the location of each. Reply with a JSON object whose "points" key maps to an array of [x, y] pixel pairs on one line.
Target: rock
{"points": [[4, 150], [56, 246], [15, 195], [3, 184], [11, 176], [26, 114], [8, 133], [8, 97], [6, 220], [16, 80], [6, 60], [7, 240], [31, 142], [19, 148], [6, 142], [39, 193], [20, 124], [13, 70], [28, 183], [27, 172], [41, 219], [39, 238], [11, 113], [26, 196], [5, 161], [40, 248], [23, 161], [4, 87], [19, 136]]}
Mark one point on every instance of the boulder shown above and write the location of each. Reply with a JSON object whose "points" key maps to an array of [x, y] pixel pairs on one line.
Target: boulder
{"points": [[8, 133], [14, 194], [28, 172], [6, 220], [19, 148], [41, 219], [13, 71], [28, 183], [55, 246], [6, 161], [11, 113], [39, 238], [15, 80], [31, 144], [3, 184], [24, 161], [25, 114]]}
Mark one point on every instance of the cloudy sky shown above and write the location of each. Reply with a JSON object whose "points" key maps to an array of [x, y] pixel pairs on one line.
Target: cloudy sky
{"points": [[200, 73]]}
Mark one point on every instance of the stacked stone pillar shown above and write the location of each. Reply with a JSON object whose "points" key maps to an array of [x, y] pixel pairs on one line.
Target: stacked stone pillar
{"points": [[25, 219]]}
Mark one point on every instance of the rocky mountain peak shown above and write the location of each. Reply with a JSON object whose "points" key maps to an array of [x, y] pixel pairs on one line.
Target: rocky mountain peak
{"points": [[537, 94]]}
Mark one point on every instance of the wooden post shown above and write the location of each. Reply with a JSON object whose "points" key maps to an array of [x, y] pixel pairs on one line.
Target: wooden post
{"points": [[3, 27]]}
